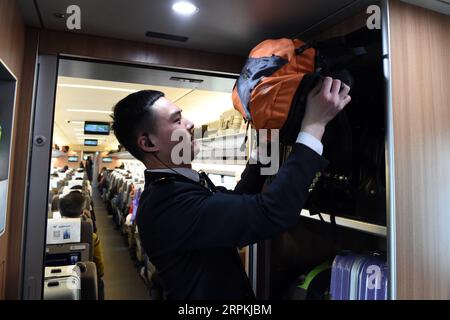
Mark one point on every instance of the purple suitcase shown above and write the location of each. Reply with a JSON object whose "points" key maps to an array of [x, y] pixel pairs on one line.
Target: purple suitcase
{"points": [[372, 280], [354, 276], [335, 287], [340, 276], [347, 264]]}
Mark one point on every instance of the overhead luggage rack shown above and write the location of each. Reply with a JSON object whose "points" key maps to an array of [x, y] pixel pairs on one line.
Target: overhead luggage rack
{"points": [[226, 136], [350, 223]]}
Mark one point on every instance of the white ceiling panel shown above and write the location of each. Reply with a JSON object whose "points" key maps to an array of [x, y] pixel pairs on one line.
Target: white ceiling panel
{"points": [[202, 106], [79, 100]]}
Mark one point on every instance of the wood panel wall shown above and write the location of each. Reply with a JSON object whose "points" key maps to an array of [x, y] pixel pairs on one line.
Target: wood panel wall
{"points": [[12, 44], [420, 48], [55, 42], [19, 161], [12, 36]]}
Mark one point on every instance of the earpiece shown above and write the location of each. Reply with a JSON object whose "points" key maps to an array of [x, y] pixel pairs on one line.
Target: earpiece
{"points": [[149, 142]]}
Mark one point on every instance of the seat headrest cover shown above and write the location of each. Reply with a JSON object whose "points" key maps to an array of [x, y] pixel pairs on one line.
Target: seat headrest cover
{"points": [[67, 190], [63, 230], [73, 183], [56, 215]]}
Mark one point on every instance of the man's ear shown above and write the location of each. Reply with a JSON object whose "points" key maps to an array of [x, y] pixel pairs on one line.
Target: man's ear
{"points": [[146, 145]]}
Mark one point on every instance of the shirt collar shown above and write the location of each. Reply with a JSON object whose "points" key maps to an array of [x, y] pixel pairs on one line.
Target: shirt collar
{"points": [[187, 172]]}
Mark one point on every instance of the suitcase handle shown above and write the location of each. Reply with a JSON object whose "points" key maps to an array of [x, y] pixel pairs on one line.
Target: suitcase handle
{"points": [[53, 284], [82, 266]]}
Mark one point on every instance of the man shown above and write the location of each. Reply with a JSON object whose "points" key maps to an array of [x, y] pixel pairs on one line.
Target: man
{"points": [[189, 232]]}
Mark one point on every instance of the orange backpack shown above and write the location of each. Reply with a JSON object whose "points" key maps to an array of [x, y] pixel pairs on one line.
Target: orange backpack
{"points": [[278, 75]]}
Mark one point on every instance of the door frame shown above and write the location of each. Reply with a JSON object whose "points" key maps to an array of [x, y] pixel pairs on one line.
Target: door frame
{"points": [[38, 177], [43, 113]]}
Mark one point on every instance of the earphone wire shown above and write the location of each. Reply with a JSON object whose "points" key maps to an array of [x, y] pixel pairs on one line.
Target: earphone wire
{"points": [[176, 172], [164, 164]]}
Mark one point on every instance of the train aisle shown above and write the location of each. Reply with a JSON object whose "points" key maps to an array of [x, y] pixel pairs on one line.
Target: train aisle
{"points": [[122, 280]]}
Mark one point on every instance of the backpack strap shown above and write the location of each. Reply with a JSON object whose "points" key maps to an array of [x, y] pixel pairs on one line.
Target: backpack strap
{"points": [[339, 52], [350, 45], [304, 47], [338, 45], [336, 238], [358, 38], [244, 143]]}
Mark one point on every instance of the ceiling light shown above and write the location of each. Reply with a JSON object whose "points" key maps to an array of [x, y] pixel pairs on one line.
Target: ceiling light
{"points": [[88, 110], [80, 86], [184, 7]]}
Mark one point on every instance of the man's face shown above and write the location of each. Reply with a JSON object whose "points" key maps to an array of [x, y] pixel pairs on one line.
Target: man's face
{"points": [[170, 122]]}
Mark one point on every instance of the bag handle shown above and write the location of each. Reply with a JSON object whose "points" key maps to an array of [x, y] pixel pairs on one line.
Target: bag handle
{"points": [[303, 48], [242, 148]]}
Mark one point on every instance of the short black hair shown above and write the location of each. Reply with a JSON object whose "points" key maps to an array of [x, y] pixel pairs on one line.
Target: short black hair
{"points": [[72, 204], [129, 115]]}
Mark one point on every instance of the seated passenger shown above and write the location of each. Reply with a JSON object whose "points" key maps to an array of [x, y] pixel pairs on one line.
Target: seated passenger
{"points": [[73, 205], [88, 211]]}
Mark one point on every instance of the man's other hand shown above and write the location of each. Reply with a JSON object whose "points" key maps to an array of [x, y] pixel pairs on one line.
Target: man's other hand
{"points": [[324, 102]]}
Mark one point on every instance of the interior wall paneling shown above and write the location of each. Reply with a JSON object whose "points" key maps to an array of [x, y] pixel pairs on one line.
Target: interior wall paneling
{"points": [[420, 48], [12, 35], [57, 42], [12, 43], [19, 164]]}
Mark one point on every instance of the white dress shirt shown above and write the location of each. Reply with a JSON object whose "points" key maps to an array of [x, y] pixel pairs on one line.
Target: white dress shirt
{"points": [[310, 141]]}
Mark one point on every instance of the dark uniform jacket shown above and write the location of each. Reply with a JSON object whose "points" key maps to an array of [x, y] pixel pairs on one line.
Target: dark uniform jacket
{"points": [[191, 234]]}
